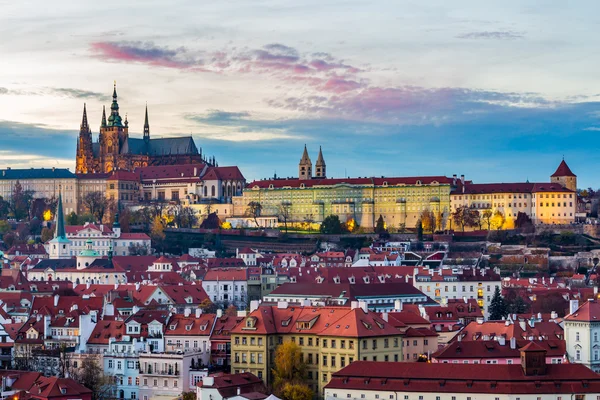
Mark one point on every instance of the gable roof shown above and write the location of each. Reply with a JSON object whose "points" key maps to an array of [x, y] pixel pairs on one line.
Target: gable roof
{"points": [[36, 173]]}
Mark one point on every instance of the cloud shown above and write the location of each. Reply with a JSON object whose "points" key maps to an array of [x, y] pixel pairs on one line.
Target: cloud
{"points": [[592, 128], [218, 117], [500, 35], [79, 94], [3, 90], [145, 53]]}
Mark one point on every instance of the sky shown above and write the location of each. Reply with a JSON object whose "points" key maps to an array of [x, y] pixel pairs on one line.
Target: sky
{"points": [[497, 91]]}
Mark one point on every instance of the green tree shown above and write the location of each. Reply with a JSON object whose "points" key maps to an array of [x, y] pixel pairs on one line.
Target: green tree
{"points": [[4, 227], [20, 202], [380, 225], [188, 396], [331, 225], [4, 208], [289, 371], [419, 230], [47, 234], [72, 219], [498, 308]]}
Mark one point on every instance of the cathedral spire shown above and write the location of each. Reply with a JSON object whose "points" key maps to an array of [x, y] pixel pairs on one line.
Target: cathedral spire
{"points": [[103, 124], [305, 166], [146, 126], [84, 121]]}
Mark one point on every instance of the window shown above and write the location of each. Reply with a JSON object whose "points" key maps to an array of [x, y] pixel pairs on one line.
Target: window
{"points": [[577, 336], [324, 342], [324, 361], [386, 343]]}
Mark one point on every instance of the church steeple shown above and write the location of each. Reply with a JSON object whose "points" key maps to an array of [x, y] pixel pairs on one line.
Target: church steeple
{"points": [[320, 166], [60, 220], [305, 166], [114, 119], [103, 123], [60, 245], [146, 126], [84, 121]]}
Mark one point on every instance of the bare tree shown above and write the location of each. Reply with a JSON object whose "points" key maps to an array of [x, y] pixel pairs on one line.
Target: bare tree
{"points": [[96, 204], [254, 209], [486, 216], [285, 212], [92, 376]]}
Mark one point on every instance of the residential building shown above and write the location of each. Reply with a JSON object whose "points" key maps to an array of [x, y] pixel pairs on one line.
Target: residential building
{"points": [[122, 360], [220, 339], [499, 351], [191, 332], [380, 297], [106, 238], [582, 334], [329, 337], [231, 387], [227, 286], [458, 283], [533, 379], [32, 385]]}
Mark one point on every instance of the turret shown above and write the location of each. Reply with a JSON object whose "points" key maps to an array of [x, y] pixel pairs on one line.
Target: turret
{"points": [[320, 167], [114, 118], [305, 166], [564, 176], [103, 123]]}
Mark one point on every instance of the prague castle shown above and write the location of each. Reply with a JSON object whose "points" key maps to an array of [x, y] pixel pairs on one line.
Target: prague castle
{"points": [[115, 150]]}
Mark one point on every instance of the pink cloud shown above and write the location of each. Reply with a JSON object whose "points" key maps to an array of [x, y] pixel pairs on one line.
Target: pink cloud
{"points": [[338, 85], [145, 53]]}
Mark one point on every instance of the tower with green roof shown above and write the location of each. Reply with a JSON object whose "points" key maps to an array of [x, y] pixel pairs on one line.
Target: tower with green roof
{"points": [[59, 247]]}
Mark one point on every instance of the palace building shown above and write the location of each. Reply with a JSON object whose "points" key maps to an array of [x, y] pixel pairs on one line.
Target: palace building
{"points": [[311, 198], [115, 150]]}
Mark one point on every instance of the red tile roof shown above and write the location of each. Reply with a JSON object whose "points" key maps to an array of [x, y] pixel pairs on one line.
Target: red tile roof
{"points": [[223, 173], [563, 170], [121, 175], [468, 349], [468, 378], [228, 384], [180, 325], [226, 274], [587, 312], [296, 183], [53, 387], [326, 321], [171, 172]]}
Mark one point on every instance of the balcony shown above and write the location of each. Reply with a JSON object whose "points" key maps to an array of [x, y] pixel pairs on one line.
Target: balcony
{"points": [[160, 373]]}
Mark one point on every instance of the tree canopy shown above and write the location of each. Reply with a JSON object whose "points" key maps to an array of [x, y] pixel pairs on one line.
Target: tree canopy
{"points": [[331, 225], [289, 374]]}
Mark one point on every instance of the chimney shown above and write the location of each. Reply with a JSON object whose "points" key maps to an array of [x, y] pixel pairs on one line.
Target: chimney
{"points": [[501, 340], [238, 391], [384, 316], [354, 304], [87, 285], [134, 309], [454, 179], [198, 312], [465, 300], [254, 305], [116, 286], [187, 311], [208, 380], [480, 320], [219, 313], [462, 179], [398, 305], [56, 297], [573, 306], [137, 286], [363, 305], [242, 313], [195, 171], [523, 325], [595, 291], [553, 315], [513, 343]]}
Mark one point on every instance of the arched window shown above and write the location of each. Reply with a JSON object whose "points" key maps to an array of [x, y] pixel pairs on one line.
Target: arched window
{"points": [[212, 191], [228, 190]]}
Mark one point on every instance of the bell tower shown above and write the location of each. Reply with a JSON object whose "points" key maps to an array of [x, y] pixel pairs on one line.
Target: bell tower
{"points": [[305, 166], [113, 135], [320, 167]]}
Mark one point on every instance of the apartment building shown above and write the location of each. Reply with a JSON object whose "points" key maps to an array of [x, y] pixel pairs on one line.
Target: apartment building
{"points": [[330, 338]]}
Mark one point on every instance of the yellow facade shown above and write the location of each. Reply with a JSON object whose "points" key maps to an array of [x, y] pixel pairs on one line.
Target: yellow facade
{"points": [[323, 355], [399, 204]]}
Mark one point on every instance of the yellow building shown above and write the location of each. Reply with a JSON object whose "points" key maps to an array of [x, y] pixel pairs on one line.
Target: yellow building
{"points": [[552, 202], [330, 338]]}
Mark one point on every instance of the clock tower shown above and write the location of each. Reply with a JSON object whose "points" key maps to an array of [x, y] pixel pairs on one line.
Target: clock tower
{"points": [[113, 136]]}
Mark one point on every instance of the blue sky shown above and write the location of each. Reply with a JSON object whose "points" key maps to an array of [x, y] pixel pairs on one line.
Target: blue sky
{"points": [[498, 92]]}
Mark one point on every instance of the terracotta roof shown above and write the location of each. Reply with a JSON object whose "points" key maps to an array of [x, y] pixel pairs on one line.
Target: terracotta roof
{"points": [[180, 325], [104, 330], [134, 236], [226, 274], [223, 173], [121, 175], [483, 349], [468, 378], [44, 387], [228, 384], [563, 170], [161, 172], [347, 290], [326, 321], [587, 312]]}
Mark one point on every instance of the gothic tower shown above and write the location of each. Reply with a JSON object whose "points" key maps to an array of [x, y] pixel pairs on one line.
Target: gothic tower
{"points": [[84, 160], [305, 166], [320, 167], [564, 176], [146, 127], [113, 136], [59, 246]]}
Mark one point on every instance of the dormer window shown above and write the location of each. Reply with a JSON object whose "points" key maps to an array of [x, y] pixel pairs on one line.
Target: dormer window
{"points": [[286, 322]]}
